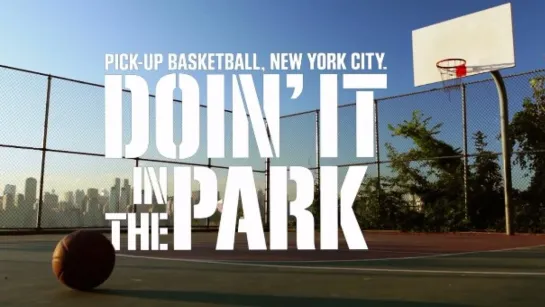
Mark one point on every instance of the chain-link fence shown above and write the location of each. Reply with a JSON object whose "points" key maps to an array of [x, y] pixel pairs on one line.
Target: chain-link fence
{"points": [[437, 165], [53, 172], [438, 162]]}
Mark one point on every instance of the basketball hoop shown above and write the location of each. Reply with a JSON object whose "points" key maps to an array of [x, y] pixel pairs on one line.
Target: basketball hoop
{"points": [[452, 71]]}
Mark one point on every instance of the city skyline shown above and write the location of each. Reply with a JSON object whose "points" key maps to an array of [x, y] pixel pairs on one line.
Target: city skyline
{"points": [[81, 207]]}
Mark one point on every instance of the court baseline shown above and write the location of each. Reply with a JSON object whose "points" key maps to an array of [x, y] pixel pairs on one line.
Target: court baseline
{"points": [[279, 265]]}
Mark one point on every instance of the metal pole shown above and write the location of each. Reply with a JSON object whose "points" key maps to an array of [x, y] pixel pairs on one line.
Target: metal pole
{"points": [[134, 206], [44, 150], [506, 150], [137, 163], [317, 143], [465, 153], [377, 150], [267, 193], [267, 183], [208, 218], [318, 172]]}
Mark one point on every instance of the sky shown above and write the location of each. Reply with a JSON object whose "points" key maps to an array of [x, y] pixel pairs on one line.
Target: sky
{"points": [[70, 39]]}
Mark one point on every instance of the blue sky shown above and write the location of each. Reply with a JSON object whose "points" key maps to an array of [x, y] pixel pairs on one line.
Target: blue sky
{"points": [[70, 38]]}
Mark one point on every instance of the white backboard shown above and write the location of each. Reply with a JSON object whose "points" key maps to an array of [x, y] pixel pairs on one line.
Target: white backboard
{"points": [[484, 39]]}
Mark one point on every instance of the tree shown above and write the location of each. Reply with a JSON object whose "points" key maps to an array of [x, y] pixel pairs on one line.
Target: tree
{"points": [[485, 193], [527, 134], [380, 205], [432, 170]]}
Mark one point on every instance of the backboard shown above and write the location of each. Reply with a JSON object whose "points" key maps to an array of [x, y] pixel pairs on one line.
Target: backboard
{"points": [[483, 39]]}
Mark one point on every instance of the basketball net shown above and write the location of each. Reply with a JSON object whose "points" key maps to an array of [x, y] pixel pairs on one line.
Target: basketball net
{"points": [[452, 71]]}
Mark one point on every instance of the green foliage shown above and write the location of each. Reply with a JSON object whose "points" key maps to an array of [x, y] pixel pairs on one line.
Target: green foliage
{"points": [[380, 204], [431, 171], [527, 129], [527, 132], [486, 204], [426, 190]]}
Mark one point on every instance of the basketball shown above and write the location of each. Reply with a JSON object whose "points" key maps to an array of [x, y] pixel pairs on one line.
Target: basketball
{"points": [[83, 260]]}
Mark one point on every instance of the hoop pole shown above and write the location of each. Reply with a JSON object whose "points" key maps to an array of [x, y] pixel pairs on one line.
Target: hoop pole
{"points": [[506, 150]]}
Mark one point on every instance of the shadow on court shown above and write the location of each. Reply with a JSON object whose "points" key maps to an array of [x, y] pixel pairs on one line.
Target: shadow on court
{"points": [[259, 300]]}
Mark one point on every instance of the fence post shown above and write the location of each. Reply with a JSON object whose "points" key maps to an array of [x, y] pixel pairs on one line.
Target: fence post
{"points": [[137, 163], [465, 152], [317, 162], [44, 150], [377, 152], [267, 182], [133, 205], [208, 218]]}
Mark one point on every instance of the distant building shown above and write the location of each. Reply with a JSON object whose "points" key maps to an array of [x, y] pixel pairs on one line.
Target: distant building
{"points": [[80, 200], [69, 199], [31, 190], [8, 202], [10, 189]]}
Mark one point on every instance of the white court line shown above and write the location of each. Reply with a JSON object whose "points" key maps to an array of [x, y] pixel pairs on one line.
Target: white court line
{"points": [[421, 255], [427, 256], [373, 250], [351, 269], [357, 269]]}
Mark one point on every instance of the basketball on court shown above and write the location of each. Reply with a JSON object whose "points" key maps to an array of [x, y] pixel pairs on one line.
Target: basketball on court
{"points": [[83, 260]]}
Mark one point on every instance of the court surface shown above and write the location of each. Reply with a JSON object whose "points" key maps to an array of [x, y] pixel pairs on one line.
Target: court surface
{"points": [[397, 270]]}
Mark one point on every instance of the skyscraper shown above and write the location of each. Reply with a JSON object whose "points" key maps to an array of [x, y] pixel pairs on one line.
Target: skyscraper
{"points": [[93, 213], [69, 198], [8, 202], [10, 189], [9, 198], [124, 199], [20, 200], [115, 193], [51, 200], [125, 196], [80, 199], [31, 185], [112, 206]]}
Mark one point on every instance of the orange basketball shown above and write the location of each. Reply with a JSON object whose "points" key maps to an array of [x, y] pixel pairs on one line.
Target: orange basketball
{"points": [[83, 260]]}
